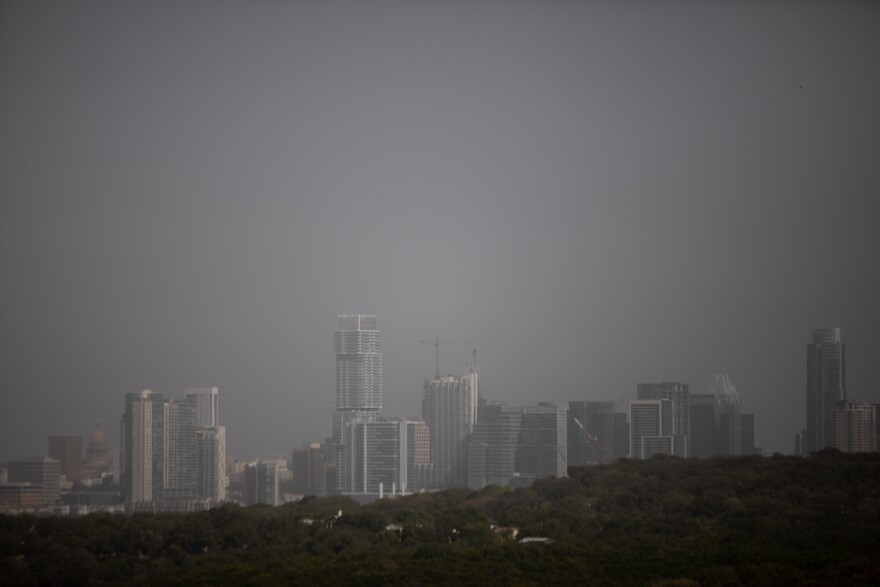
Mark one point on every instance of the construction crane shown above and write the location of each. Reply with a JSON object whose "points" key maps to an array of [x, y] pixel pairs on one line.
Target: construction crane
{"points": [[436, 342], [592, 440]]}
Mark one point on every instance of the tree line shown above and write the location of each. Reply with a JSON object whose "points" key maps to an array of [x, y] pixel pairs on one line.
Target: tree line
{"points": [[664, 521]]}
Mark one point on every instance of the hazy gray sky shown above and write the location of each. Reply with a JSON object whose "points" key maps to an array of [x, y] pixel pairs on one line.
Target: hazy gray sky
{"points": [[596, 193]]}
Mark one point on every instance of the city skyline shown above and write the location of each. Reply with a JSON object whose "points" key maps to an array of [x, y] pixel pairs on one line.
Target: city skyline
{"points": [[596, 195], [205, 399]]}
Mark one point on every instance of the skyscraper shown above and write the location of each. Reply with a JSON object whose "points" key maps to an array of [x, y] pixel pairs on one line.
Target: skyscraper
{"points": [[855, 426], [308, 466], [678, 394], [68, 451], [165, 456], [262, 480], [449, 408], [603, 430], [543, 442], [137, 446], [492, 446], [826, 385], [748, 435], [180, 457], [385, 457], [358, 379], [728, 416], [210, 444], [205, 402], [651, 425], [704, 432]]}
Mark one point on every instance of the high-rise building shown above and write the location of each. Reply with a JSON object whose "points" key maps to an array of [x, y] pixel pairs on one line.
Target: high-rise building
{"points": [[137, 447], [596, 433], [386, 457], [449, 408], [179, 455], [678, 394], [68, 451], [651, 425], [262, 480], [166, 457], [309, 468], [703, 435], [877, 424], [543, 442], [717, 423], [800, 444], [748, 435], [205, 402], [358, 379], [210, 443], [44, 472], [728, 416], [492, 446], [855, 426], [826, 385]]}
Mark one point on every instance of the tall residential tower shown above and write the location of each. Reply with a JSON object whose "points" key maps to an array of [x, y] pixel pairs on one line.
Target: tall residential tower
{"points": [[449, 407], [358, 379]]}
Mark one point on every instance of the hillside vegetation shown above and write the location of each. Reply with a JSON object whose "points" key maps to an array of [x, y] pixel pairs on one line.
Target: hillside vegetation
{"points": [[666, 521]]}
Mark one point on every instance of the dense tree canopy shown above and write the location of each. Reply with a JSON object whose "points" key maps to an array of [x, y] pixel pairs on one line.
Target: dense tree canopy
{"points": [[666, 521]]}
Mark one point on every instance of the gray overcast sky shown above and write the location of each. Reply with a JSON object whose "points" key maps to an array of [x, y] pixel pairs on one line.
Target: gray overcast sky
{"points": [[596, 193]]}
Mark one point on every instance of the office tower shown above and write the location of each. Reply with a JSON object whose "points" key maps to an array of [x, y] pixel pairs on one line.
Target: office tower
{"points": [[385, 457], [157, 405], [138, 447], [717, 424], [826, 385], [262, 481], [703, 435], [543, 439], [20, 496], [877, 425], [420, 471], [179, 455], [358, 378], [205, 402], [68, 451], [44, 472], [210, 444], [309, 468], [678, 394], [594, 433], [492, 446], [728, 416], [651, 425], [748, 435], [800, 444], [621, 436], [855, 426], [98, 461], [449, 408]]}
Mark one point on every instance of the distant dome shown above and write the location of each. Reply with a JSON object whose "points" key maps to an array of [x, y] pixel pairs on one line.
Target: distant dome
{"points": [[98, 437], [97, 454]]}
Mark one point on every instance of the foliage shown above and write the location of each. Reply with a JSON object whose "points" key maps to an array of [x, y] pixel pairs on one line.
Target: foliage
{"points": [[675, 522]]}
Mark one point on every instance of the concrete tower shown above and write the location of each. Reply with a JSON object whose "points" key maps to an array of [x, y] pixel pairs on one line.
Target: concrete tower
{"points": [[358, 379], [449, 408]]}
